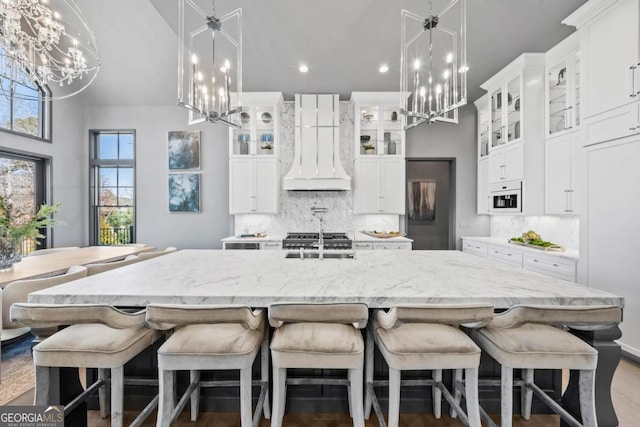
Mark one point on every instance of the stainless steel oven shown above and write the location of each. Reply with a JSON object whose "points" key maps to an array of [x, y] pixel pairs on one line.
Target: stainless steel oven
{"points": [[506, 197]]}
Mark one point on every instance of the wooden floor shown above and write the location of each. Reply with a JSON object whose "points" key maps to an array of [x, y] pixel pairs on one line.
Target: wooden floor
{"points": [[625, 393]]}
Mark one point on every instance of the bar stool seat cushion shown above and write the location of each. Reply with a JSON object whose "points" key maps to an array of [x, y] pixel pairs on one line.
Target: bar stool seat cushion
{"points": [[222, 341], [331, 345], [92, 345], [535, 346], [427, 346]]}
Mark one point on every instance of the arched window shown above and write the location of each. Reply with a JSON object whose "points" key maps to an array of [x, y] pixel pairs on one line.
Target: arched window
{"points": [[22, 108]]}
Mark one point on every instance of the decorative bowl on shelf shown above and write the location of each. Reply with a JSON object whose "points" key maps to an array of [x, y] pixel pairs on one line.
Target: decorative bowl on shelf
{"points": [[266, 117], [365, 138], [367, 117], [244, 118]]}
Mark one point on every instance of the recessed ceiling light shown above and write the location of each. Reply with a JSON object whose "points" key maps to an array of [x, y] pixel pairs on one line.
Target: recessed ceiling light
{"points": [[383, 68], [303, 68]]}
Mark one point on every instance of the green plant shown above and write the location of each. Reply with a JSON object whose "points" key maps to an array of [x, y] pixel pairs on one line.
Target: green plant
{"points": [[9, 229], [369, 147], [266, 146]]}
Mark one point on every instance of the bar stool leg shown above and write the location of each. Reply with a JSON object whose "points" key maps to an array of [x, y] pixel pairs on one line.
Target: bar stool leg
{"points": [[457, 394], [194, 377], [279, 395], [103, 394], [264, 374], [506, 396], [394, 397], [526, 394], [471, 398], [355, 396], [587, 383], [245, 397], [368, 366], [47, 386], [437, 393], [117, 398], [166, 394]]}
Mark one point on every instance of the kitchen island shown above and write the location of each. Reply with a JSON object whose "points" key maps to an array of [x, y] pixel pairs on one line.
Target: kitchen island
{"points": [[378, 278]]}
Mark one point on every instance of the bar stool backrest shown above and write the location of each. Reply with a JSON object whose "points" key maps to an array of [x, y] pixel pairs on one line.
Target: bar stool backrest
{"points": [[346, 313], [586, 318], [469, 315], [168, 316], [50, 315]]}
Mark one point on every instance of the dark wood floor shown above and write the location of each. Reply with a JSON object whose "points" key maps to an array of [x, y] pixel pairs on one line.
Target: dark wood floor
{"points": [[625, 393]]}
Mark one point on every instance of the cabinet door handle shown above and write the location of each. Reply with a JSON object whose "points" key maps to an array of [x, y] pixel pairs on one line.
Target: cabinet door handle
{"points": [[632, 74]]}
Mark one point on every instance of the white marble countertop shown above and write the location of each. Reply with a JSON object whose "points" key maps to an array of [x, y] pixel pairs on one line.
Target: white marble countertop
{"points": [[267, 238], [570, 254], [360, 237], [377, 278]]}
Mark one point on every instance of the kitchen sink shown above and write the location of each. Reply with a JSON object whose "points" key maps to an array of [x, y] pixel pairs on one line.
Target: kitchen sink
{"points": [[315, 255]]}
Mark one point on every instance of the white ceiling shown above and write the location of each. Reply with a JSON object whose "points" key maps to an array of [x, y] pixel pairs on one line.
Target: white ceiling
{"points": [[343, 42]]}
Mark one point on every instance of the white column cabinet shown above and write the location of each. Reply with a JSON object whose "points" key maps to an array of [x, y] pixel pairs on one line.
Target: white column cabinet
{"points": [[483, 197], [562, 87], [561, 175], [253, 155], [379, 186]]}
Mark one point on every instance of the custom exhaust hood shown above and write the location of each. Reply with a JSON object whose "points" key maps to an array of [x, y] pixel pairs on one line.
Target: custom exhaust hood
{"points": [[316, 161]]}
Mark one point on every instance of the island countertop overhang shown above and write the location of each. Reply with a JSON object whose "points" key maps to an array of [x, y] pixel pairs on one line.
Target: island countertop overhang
{"points": [[378, 278]]}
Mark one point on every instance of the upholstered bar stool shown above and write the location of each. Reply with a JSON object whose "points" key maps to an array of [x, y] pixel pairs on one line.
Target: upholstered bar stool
{"points": [[426, 337], [320, 336], [101, 267], [531, 337], [100, 336], [210, 337]]}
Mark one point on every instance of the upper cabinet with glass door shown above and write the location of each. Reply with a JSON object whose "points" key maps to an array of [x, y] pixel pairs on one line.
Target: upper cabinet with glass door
{"points": [[507, 98], [379, 126], [563, 87], [257, 134]]}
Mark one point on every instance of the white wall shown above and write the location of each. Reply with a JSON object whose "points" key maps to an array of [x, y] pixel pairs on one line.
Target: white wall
{"points": [[68, 169], [445, 140], [155, 225]]}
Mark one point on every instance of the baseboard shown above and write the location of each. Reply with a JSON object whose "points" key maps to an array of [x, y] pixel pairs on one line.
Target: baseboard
{"points": [[630, 353]]}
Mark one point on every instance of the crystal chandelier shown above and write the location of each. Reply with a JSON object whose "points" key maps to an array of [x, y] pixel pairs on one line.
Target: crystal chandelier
{"points": [[209, 63], [47, 43], [433, 63]]}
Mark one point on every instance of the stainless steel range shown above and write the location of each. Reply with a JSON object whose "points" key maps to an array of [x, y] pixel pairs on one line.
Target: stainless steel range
{"points": [[310, 241]]}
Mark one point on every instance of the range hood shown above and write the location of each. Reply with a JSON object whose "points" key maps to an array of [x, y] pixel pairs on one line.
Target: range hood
{"points": [[316, 160]]}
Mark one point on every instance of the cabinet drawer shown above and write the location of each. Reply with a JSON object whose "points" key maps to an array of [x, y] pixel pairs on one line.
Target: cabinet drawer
{"points": [[618, 123], [552, 266], [508, 255], [359, 246], [406, 246], [474, 247], [271, 245]]}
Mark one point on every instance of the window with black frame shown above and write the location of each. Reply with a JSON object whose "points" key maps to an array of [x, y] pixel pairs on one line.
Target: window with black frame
{"points": [[112, 182], [22, 109]]}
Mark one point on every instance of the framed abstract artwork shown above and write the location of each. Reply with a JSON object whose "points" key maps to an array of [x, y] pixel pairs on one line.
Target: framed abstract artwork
{"points": [[184, 150], [184, 192], [421, 198]]}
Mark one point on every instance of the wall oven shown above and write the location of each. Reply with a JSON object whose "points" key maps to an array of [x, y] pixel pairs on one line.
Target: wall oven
{"points": [[506, 197]]}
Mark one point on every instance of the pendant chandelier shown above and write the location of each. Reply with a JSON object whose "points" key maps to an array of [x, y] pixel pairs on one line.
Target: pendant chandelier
{"points": [[209, 63], [433, 63], [47, 43]]}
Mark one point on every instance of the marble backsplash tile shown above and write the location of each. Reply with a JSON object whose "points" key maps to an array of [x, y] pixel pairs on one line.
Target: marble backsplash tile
{"points": [[295, 206], [564, 230]]}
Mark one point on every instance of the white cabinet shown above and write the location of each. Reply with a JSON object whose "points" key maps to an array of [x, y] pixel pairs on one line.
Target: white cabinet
{"points": [[610, 68], [379, 126], [562, 87], [505, 254], [550, 265], [379, 186], [561, 175], [506, 163], [483, 196], [253, 185], [474, 247], [253, 155]]}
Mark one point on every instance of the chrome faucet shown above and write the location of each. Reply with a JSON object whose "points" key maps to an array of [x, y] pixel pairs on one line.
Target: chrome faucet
{"points": [[320, 244]]}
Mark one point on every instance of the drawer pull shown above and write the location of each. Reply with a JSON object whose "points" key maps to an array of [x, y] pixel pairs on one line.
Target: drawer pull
{"points": [[555, 265], [535, 260]]}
